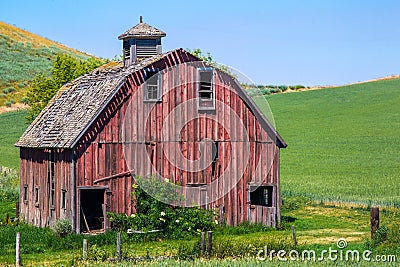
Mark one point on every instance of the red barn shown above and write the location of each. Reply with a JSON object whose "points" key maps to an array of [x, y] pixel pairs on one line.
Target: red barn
{"points": [[164, 114]]}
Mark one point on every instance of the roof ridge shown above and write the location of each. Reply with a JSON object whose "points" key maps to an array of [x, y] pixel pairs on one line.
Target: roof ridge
{"points": [[142, 30]]}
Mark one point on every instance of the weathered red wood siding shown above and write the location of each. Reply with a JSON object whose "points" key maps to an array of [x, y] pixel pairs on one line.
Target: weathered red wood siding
{"points": [[100, 151], [34, 166]]}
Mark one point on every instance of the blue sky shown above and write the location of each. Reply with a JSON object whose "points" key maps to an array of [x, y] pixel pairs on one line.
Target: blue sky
{"points": [[308, 42]]}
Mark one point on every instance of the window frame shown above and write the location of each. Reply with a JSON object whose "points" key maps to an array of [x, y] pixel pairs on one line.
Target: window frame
{"points": [[26, 193], [200, 90], [37, 194], [157, 72], [63, 199]]}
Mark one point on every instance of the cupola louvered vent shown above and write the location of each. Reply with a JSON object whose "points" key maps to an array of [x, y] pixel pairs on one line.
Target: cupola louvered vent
{"points": [[146, 48]]}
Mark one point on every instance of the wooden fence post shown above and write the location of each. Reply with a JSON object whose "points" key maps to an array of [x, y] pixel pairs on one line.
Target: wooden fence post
{"points": [[17, 251], [119, 246], [209, 247], [294, 236], [202, 243], [84, 249], [374, 220]]}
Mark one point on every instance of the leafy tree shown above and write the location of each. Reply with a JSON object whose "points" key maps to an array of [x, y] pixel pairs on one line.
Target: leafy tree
{"points": [[205, 57], [209, 60], [65, 69]]}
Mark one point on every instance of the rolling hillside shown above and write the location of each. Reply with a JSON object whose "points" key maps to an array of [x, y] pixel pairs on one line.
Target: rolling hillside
{"points": [[344, 142], [23, 55]]}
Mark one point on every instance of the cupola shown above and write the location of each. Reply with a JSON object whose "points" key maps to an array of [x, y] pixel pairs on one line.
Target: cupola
{"points": [[141, 41]]}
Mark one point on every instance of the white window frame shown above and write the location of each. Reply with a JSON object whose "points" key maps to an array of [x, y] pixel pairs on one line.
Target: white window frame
{"points": [[146, 85], [199, 89]]}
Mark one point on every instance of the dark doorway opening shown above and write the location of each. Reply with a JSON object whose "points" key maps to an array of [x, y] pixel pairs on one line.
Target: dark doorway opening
{"points": [[92, 209]]}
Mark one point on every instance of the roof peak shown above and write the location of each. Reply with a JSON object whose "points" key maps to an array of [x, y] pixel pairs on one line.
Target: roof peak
{"points": [[142, 30]]}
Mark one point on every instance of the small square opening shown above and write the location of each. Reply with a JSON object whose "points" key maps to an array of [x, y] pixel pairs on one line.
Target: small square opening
{"points": [[261, 195]]}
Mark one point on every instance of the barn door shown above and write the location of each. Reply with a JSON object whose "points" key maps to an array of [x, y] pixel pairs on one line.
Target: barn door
{"points": [[92, 209], [196, 195]]}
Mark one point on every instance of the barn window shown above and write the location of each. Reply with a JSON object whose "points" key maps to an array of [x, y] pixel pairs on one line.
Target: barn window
{"points": [[215, 156], [25, 193], [51, 174], [63, 199], [261, 195], [36, 196], [153, 85], [206, 89]]}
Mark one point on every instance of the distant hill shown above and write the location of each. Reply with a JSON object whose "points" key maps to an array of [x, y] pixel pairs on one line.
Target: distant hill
{"points": [[23, 56], [343, 142]]}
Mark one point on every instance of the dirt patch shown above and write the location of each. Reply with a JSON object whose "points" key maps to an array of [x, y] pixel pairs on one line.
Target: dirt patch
{"points": [[14, 107], [324, 236]]}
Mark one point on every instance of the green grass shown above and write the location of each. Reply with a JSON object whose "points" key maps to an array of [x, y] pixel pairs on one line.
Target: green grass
{"points": [[12, 125], [23, 56], [318, 227], [343, 143]]}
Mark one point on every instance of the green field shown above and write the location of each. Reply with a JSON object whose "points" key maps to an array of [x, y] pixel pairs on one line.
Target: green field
{"points": [[343, 143], [12, 125]]}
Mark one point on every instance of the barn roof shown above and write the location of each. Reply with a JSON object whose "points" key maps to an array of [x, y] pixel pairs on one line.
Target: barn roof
{"points": [[78, 103], [142, 30]]}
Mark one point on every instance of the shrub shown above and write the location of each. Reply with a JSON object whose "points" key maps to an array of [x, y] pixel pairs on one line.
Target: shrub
{"points": [[24, 100], [3, 95], [8, 104], [153, 214], [12, 101], [8, 90], [299, 86], [265, 91], [63, 227], [381, 235]]}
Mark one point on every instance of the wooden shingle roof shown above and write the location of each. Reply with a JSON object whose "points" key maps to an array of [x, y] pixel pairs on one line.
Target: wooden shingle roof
{"points": [[142, 30], [76, 105]]}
